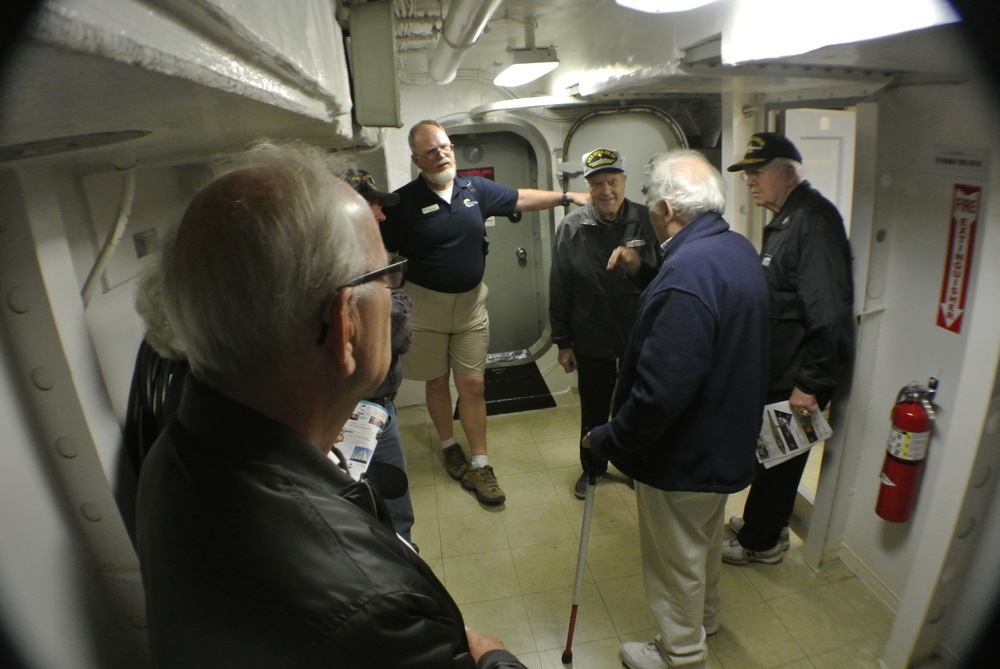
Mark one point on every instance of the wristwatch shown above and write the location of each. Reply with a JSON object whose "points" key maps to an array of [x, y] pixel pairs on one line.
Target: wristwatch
{"points": [[565, 200]]}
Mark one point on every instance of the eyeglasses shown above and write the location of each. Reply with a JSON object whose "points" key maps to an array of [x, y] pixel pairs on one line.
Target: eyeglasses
{"points": [[752, 172], [443, 149], [393, 274]]}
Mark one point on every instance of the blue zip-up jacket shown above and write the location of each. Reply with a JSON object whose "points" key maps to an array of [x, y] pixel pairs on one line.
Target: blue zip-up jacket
{"points": [[691, 392]]}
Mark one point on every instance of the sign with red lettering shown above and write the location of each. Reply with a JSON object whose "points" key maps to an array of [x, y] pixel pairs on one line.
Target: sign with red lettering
{"points": [[958, 263], [484, 172]]}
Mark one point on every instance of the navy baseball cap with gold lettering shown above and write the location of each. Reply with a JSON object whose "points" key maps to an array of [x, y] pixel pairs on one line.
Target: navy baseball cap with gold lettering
{"points": [[765, 147]]}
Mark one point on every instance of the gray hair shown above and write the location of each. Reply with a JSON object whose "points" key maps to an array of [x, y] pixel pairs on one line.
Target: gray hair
{"points": [[257, 254], [159, 333], [794, 164], [685, 179]]}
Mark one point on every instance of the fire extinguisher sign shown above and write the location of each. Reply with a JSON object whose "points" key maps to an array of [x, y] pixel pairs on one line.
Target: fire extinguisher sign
{"points": [[958, 263]]}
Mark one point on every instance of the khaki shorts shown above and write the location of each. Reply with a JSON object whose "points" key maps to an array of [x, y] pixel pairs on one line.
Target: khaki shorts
{"points": [[450, 331]]}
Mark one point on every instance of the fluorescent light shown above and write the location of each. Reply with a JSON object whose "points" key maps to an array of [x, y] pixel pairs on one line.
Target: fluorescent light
{"points": [[524, 65], [663, 6]]}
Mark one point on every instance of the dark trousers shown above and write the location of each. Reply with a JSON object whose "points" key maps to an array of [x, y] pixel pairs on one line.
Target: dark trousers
{"points": [[596, 379], [770, 503]]}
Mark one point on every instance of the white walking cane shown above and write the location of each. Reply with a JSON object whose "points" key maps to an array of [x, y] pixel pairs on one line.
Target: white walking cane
{"points": [[588, 508]]}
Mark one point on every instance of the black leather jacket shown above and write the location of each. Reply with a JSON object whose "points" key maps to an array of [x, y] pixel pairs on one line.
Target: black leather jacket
{"points": [[807, 262], [258, 551]]}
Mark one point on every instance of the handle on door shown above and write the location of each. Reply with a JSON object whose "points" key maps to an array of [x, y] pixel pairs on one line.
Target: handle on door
{"points": [[522, 255]]}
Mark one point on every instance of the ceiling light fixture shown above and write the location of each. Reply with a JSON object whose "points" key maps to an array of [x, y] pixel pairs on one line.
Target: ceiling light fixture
{"points": [[662, 6], [527, 64]]}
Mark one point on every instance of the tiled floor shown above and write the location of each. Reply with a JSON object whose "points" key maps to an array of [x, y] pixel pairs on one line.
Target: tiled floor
{"points": [[511, 568]]}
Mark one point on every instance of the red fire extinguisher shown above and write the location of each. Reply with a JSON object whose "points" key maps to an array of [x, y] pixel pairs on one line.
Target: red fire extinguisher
{"points": [[906, 451]]}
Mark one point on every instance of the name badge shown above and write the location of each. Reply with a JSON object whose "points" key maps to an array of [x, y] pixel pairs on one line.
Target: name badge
{"points": [[635, 242], [429, 208]]}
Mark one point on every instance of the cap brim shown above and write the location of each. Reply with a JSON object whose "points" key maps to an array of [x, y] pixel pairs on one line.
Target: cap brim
{"points": [[603, 169], [748, 162], [383, 198]]}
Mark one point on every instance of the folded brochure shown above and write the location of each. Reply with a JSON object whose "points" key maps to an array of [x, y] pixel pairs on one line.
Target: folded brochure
{"points": [[360, 436], [784, 434]]}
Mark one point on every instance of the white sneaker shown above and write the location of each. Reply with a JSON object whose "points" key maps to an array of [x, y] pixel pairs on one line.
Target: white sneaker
{"points": [[639, 655], [734, 553], [736, 524]]}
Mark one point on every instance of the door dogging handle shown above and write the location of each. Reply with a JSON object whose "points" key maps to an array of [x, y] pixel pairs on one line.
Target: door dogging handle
{"points": [[522, 255]]}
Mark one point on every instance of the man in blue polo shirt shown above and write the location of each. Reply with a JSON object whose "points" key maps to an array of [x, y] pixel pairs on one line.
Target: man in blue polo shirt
{"points": [[440, 226]]}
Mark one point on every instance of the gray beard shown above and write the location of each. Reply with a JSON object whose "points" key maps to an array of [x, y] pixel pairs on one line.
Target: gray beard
{"points": [[441, 178]]}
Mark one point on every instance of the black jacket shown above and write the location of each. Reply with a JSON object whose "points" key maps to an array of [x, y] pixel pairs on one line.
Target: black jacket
{"points": [[258, 551], [590, 308], [807, 262]]}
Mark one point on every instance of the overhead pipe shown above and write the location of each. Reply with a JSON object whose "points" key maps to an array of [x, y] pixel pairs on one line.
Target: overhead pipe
{"points": [[462, 27]]}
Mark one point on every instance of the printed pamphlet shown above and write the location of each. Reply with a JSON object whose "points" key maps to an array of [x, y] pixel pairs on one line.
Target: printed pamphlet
{"points": [[784, 434], [360, 436]]}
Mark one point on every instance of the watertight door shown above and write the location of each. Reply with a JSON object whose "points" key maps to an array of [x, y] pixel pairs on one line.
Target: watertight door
{"points": [[514, 266]]}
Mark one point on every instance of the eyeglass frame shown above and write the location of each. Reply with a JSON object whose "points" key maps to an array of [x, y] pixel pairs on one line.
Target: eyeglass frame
{"points": [[754, 172], [442, 149], [397, 265]]}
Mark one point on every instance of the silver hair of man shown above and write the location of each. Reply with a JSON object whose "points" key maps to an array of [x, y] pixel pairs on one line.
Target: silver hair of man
{"points": [[257, 255], [685, 179]]}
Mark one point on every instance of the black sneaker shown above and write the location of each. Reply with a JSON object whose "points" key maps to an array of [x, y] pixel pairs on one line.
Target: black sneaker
{"points": [[455, 462]]}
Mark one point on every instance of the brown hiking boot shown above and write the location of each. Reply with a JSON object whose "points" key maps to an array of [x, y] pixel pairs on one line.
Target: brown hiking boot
{"points": [[483, 482], [455, 462]]}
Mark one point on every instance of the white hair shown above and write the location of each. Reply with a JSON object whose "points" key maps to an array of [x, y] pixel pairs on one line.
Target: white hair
{"points": [[685, 179], [258, 253]]}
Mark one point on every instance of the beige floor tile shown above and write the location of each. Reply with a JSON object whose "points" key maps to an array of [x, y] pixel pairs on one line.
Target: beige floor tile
{"points": [[564, 452], [862, 654], [591, 655], [614, 555], [473, 533], [508, 430], [876, 616], [517, 459], [549, 613], [820, 619], [609, 514], [789, 576], [736, 591], [547, 566], [503, 617], [527, 489], [625, 599], [424, 501], [420, 471], [426, 534], [454, 500], [512, 567], [537, 525], [752, 637], [561, 426], [481, 577]]}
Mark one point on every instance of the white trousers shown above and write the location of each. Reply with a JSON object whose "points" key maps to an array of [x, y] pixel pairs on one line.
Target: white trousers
{"points": [[680, 536]]}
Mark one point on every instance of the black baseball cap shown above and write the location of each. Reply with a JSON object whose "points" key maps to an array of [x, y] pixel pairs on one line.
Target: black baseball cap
{"points": [[765, 147], [362, 181]]}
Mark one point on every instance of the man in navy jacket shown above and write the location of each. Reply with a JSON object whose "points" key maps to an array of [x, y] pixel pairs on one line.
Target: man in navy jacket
{"points": [[688, 405]]}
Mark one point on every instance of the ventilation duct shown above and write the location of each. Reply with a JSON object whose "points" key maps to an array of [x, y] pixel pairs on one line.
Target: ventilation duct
{"points": [[462, 27]]}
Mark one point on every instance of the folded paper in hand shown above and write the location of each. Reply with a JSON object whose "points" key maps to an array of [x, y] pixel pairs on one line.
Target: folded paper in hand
{"points": [[360, 438], [785, 435]]}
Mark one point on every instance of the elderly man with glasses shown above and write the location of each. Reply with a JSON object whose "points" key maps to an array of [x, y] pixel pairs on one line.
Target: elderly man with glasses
{"points": [[256, 549], [440, 227], [807, 261]]}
